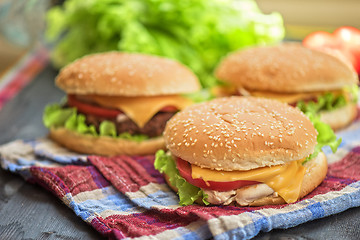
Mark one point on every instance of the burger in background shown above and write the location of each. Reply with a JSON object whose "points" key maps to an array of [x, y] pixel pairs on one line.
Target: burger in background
{"points": [[314, 81], [245, 151], [118, 103]]}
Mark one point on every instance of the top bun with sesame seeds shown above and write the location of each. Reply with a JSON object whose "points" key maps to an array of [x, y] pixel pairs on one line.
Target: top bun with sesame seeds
{"points": [[239, 133], [297, 75], [118, 103], [126, 74], [245, 151]]}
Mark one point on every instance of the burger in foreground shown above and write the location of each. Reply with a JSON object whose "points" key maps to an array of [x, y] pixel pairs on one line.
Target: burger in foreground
{"points": [[244, 151], [313, 80], [118, 103]]}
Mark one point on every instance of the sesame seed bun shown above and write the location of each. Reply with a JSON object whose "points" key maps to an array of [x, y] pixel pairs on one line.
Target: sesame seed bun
{"points": [[103, 145], [126, 74], [240, 133], [286, 68], [316, 170]]}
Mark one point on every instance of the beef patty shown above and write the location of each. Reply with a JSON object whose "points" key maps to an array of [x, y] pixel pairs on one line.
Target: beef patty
{"points": [[153, 128]]}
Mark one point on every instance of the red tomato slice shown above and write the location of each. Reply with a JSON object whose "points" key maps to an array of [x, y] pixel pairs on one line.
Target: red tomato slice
{"points": [[87, 108], [185, 171], [169, 109]]}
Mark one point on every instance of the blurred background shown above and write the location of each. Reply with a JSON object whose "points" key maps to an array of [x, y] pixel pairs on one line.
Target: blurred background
{"points": [[22, 24], [197, 33], [301, 17]]}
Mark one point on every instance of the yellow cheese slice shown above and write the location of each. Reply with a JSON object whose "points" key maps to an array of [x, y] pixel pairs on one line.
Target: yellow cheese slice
{"points": [[291, 97], [141, 109], [284, 179]]}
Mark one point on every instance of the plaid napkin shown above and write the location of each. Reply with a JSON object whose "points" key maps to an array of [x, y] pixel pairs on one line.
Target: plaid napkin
{"points": [[125, 197]]}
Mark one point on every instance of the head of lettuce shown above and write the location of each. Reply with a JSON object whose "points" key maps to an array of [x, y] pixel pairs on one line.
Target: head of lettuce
{"points": [[197, 33]]}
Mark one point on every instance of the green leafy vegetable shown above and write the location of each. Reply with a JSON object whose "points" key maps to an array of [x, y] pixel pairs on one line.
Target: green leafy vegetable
{"points": [[107, 128], [200, 96], [326, 102], [187, 192], [197, 33], [326, 136], [56, 116], [329, 101]]}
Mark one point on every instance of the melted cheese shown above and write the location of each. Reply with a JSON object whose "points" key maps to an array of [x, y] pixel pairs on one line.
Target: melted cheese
{"points": [[284, 179], [291, 97], [141, 109]]}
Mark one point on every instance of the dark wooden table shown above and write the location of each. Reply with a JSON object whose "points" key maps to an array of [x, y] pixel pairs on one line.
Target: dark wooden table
{"points": [[29, 212]]}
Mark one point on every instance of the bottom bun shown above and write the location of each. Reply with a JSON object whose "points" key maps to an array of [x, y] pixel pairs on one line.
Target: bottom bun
{"points": [[316, 170], [341, 117], [104, 145]]}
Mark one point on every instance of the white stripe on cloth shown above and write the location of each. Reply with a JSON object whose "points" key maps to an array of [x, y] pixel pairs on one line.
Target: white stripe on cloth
{"points": [[249, 224]]}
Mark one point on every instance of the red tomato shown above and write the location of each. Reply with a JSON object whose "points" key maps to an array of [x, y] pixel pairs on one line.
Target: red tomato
{"points": [[185, 171], [350, 36], [87, 108], [344, 40], [321, 40]]}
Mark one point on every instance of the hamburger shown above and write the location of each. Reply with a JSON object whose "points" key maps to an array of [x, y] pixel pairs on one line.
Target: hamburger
{"points": [[312, 80], [245, 151], [118, 103]]}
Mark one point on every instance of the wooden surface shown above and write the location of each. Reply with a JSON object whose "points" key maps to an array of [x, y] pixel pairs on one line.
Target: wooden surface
{"points": [[30, 212]]}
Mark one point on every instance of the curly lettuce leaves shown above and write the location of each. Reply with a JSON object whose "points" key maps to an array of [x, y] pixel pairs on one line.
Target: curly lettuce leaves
{"points": [[56, 116], [325, 137], [326, 102], [329, 101], [197, 33], [187, 192]]}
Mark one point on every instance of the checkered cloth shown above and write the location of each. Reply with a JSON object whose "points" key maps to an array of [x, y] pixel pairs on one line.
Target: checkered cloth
{"points": [[125, 197]]}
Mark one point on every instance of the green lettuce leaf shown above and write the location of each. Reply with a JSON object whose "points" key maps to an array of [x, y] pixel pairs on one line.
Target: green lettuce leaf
{"points": [[107, 128], [197, 33], [200, 96], [187, 192], [329, 101], [326, 136], [56, 116], [326, 102]]}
